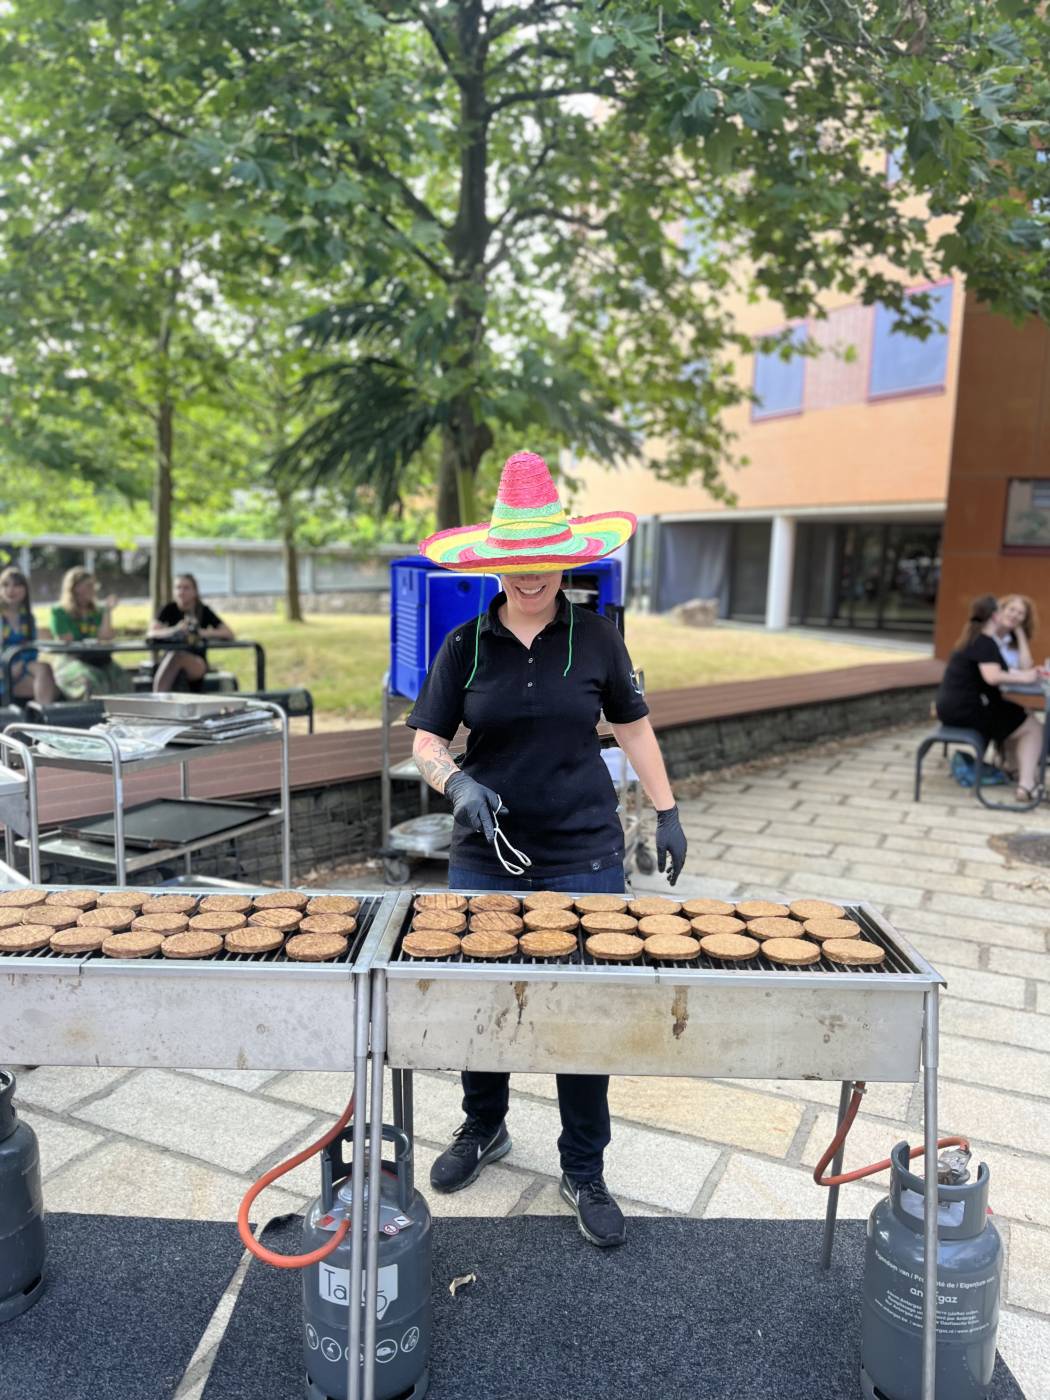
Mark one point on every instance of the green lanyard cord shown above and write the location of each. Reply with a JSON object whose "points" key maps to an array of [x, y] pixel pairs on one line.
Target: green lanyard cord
{"points": [[572, 615], [477, 642]]}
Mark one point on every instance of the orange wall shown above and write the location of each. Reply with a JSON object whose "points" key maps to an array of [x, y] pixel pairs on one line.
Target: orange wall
{"points": [[1002, 431], [893, 451]]}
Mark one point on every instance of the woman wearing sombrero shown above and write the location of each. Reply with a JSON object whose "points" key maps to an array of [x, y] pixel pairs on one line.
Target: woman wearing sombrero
{"points": [[528, 679]]}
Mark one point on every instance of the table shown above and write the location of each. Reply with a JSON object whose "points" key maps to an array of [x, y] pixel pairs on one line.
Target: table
{"points": [[147, 644]]}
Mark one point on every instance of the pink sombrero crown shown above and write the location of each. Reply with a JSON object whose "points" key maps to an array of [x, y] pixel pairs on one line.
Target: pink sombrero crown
{"points": [[529, 532]]}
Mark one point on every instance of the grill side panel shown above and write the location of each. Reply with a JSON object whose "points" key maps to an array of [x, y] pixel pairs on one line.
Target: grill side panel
{"points": [[656, 1027]]}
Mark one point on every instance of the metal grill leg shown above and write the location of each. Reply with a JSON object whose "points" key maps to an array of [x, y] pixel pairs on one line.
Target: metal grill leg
{"points": [[375, 1154], [831, 1212], [930, 1196], [357, 1176]]}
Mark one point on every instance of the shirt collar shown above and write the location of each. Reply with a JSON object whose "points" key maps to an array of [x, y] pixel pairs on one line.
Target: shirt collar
{"points": [[490, 618]]}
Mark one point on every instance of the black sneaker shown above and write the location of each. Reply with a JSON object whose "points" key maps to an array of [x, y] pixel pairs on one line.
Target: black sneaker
{"points": [[472, 1147], [599, 1217]]}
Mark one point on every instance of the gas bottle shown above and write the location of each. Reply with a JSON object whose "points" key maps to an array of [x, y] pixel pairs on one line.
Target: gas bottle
{"points": [[969, 1268], [22, 1239], [403, 1310]]}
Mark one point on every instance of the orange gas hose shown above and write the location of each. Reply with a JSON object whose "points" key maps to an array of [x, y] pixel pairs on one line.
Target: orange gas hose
{"points": [[840, 1137], [292, 1261]]}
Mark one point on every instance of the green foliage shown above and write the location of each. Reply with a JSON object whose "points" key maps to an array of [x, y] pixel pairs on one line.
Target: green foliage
{"points": [[476, 215]]}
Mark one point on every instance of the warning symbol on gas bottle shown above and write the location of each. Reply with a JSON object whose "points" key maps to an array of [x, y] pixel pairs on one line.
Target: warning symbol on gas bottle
{"points": [[330, 1349], [313, 1341], [410, 1340], [386, 1350]]}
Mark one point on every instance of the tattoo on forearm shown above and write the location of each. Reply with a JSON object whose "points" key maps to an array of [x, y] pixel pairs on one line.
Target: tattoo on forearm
{"points": [[435, 763]]}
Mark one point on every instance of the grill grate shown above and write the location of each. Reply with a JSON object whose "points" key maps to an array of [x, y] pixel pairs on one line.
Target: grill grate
{"points": [[365, 915], [895, 963]]}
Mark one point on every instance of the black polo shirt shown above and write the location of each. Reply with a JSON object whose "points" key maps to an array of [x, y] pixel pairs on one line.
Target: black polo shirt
{"points": [[533, 734]]}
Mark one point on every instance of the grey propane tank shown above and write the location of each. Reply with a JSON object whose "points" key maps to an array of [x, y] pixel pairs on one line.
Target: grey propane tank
{"points": [[969, 1267], [403, 1308], [22, 1238]]}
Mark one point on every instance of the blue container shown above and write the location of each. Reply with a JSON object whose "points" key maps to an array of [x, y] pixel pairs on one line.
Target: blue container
{"points": [[598, 586], [426, 602]]}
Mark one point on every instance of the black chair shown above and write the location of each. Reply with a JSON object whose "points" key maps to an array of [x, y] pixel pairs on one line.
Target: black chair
{"points": [[974, 740], [297, 702]]}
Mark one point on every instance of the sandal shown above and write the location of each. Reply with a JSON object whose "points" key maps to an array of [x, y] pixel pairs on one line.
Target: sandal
{"points": [[1025, 795]]}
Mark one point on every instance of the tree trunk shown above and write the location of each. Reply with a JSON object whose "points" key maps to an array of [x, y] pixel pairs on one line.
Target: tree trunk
{"points": [[463, 444], [293, 608], [160, 561]]}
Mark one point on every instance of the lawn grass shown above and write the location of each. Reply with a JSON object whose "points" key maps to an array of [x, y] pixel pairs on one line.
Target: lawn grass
{"points": [[340, 658]]}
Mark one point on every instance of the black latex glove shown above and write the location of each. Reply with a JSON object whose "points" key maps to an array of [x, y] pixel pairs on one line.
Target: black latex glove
{"points": [[472, 804], [670, 841]]}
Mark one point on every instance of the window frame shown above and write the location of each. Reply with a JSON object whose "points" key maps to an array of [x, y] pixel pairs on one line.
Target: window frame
{"points": [[758, 414], [1034, 551], [874, 396]]}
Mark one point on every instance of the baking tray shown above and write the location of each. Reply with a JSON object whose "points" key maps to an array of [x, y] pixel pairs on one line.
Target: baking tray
{"points": [[171, 707], [169, 821]]}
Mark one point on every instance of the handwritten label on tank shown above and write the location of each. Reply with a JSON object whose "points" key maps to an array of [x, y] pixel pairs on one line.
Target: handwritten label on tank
{"points": [[334, 1286]]}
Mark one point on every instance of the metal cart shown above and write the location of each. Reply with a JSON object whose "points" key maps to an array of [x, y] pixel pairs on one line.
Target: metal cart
{"points": [[426, 837], [115, 856]]}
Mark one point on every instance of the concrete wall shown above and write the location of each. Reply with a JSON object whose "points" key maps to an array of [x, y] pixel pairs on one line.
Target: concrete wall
{"points": [[1002, 430]]}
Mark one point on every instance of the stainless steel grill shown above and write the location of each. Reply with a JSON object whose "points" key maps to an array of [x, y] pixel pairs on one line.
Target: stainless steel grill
{"points": [[370, 906], [704, 1018], [897, 959], [233, 1011]]}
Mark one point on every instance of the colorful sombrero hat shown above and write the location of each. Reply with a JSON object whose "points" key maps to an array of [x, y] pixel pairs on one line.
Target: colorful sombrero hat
{"points": [[529, 532]]}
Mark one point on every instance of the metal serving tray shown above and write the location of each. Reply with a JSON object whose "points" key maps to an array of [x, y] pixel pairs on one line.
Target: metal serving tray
{"points": [[229, 1012], [173, 706], [169, 821], [703, 1019]]}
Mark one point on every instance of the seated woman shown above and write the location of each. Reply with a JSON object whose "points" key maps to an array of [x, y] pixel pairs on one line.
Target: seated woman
{"points": [[969, 696], [1018, 624], [187, 619], [31, 679], [79, 617]]}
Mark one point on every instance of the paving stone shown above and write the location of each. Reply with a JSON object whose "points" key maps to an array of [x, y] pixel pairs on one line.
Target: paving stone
{"points": [[549, 1202], [996, 1023], [705, 1109], [1028, 1279], [128, 1178], [1006, 874], [753, 1189], [852, 854], [738, 821], [956, 925], [246, 1079], [1024, 908], [1007, 1119], [950, 951], [322, 1091], [496, 1191], [1034, 896], [768, 861], [204, 1120], [1034, 964], [916, 876], [775, 841], [59, 1087], [850, 891], [999, 1066], [688, 886], [885, 1100], [927, 847], [58, 1141], [1043, 998], [639, 1164], [977, 985], [1024, 1342], [748, 873]]}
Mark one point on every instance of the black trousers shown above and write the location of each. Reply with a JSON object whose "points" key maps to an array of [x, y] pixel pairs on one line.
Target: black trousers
{"points": [[583, 1100]]}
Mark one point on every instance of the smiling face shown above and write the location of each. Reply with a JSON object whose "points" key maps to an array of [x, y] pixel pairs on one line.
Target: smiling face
{"points": [[1013, 614], [532, 595], [84, 594], [185, 593]]}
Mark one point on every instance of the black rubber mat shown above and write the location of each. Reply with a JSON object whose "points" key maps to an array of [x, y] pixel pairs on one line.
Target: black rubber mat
{"points": [[125, 1305], [686, 1310]]}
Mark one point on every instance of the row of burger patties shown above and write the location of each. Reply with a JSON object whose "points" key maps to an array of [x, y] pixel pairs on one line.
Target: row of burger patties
{"points": [[129, 923], [546, 925]]}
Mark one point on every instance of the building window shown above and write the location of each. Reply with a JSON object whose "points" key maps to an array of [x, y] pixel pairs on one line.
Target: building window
{"points": [[904, 364], [778, 382], [1027, 526]]}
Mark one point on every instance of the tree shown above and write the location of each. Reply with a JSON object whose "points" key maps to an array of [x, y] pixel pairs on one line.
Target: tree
{"points": [[502, 188]]}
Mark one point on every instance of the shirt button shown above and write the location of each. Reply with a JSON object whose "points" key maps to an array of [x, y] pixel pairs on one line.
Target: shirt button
{"points": [[530, 685]]}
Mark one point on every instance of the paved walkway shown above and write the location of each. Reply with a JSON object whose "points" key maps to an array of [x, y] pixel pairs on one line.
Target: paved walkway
{"points": [[835, 823]]}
